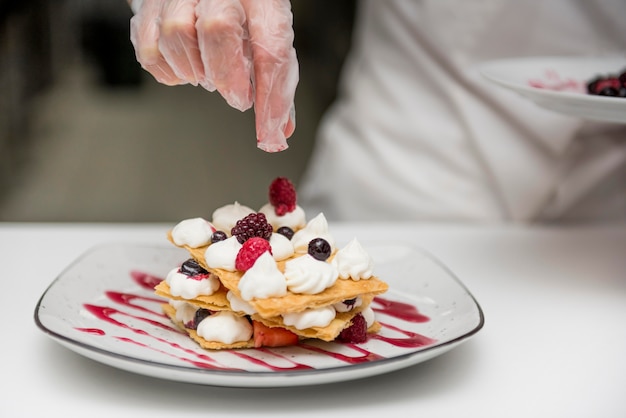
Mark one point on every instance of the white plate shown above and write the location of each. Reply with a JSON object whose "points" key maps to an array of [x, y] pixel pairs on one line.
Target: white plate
{"points": [[103, 307], [559, 83]]}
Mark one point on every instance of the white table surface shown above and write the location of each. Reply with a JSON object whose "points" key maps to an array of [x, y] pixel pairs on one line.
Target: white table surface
{"points": [[553, 344]]}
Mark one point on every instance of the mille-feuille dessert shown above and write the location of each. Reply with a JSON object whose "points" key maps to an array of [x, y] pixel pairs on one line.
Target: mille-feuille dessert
{"points": [[269, 278]]}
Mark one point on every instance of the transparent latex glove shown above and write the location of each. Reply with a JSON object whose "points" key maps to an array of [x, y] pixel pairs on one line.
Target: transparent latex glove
{"points": [[241, 48]]}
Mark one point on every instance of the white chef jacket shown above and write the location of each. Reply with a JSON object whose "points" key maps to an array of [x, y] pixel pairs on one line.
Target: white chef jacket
{"points": [[418, 134]]}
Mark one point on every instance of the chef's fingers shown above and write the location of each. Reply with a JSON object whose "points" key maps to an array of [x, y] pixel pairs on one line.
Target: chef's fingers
{"points": [[224, 46], [275, 70], [178, 42], [144, 35]]}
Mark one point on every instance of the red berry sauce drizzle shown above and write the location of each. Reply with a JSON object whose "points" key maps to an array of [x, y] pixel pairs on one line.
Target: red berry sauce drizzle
{"points": [[553, 81], [129, 305]]}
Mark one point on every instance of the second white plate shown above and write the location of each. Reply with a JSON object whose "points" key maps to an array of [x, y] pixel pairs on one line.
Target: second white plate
{"points": [[559, 83]]}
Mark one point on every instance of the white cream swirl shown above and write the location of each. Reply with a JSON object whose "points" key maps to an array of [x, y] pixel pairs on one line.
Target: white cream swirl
{"points": [[315, 228], [307, 275], [225, 327], [222, 254], [185, 312], [190, 288], [225, 217], [282, 248], [295, 219], [369, 315], [239, 305], [262, 280], [353, 262], [194, 232], [310, 318]]}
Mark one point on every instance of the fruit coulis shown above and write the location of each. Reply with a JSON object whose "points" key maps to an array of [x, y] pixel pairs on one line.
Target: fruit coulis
{"points": [[126, 308], [608, 85]]}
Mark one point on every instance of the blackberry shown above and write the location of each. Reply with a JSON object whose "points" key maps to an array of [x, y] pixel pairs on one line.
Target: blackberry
{"points": [[218, 236], [286, 231], [319, 249], [253, 225], [192, 268]]}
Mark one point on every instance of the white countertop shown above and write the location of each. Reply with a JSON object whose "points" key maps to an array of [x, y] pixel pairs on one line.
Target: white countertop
{"points": [[553, 344]]}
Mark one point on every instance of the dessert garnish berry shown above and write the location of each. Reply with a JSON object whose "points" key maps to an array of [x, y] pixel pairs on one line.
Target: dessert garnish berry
{"points": [[608, 85], [218, 236], [265, 336], [282, 195], [192, 268], [356, 332], [198, 317], [253, 225], [286, 231], [250, 251], [319, 249]]}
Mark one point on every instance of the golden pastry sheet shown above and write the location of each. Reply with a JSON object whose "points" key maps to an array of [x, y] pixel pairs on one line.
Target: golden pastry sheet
{"points": [[327, 333], [215, 302]]}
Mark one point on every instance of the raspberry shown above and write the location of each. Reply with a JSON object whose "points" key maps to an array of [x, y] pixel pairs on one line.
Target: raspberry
{"points": [[355, 333], [282, 196], [253, 225], [250, 251]]}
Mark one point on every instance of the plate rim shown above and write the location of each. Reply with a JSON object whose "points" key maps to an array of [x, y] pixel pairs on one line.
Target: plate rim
{"points": [[291, 376]]}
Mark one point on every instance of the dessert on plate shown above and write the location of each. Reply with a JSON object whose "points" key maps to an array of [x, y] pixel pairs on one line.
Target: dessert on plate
{"points": [[269, 278]]}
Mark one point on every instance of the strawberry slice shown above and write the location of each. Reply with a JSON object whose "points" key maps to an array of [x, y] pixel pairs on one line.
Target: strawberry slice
{"points": [[265, 336]]}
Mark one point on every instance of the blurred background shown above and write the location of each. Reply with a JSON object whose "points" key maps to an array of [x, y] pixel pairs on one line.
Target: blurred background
{"points": [[87, 135]]}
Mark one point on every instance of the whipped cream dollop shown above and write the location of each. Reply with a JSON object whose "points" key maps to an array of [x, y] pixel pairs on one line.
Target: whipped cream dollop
{"points": [[185, 312], [310, 318], [307, 275], [238, 304], [369, 315], [193, 232], [282, 248], [222, 254], [348, 305], [189, 287], [225, 327], [225, 217], [315, 228], [295, 219], [262, 280], [353, 262]]}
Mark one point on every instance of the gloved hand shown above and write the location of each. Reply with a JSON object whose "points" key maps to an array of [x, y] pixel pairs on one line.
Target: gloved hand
{"points": [[241, 48]]}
